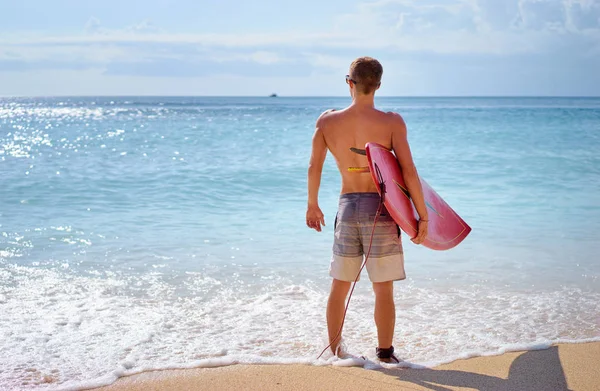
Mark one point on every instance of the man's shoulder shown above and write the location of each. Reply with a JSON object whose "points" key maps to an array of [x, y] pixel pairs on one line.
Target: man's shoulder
{"points": [[327, 113], [393, 116], [326, 117], [394, 119]]}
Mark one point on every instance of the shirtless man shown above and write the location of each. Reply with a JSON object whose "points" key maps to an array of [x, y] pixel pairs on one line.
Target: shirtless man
{"points": [[345, 133]]}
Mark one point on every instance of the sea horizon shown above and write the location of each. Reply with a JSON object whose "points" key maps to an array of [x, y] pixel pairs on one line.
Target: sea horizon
{"points": [[483, 96]]}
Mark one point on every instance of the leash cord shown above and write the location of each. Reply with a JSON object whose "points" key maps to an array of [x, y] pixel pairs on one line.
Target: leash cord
{"points": [[379, 210]]}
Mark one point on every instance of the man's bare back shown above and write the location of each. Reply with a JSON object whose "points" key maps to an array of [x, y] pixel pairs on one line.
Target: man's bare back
{"points": [[345, 134], [347, 131]]}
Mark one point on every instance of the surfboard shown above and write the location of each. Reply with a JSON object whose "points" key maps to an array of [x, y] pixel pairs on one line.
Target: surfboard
{"points": [[446, 228]]}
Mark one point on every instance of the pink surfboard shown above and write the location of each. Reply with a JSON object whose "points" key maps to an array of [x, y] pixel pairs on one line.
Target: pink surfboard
{"points": [[446, 228]]}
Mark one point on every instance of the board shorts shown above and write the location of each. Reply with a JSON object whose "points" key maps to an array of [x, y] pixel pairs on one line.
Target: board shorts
{"points": [[352, 232]]}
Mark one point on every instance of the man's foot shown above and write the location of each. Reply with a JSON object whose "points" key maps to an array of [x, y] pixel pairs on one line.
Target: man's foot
{"points": [[387, 355]]}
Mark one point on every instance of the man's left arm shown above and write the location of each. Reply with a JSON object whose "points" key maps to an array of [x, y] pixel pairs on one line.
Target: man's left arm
{"points": [[314, 216]]}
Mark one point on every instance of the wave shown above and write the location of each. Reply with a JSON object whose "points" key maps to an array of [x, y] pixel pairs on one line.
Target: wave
{"points": [[73, 331]]}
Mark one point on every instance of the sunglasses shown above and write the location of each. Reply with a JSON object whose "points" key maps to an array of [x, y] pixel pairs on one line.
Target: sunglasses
{"points": [[348, 80]]}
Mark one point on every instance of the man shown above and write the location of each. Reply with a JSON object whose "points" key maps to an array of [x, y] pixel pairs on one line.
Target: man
{"points": [[345, 133]]}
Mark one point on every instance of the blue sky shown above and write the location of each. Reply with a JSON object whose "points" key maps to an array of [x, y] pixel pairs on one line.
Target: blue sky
{"points": [[225, 47]]}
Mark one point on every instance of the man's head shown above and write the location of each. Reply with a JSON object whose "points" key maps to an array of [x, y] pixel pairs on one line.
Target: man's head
{"points": [[365, 73]]}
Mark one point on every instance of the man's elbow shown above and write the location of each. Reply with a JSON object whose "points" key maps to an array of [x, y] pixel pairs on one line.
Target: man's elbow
{"points": [[314, 168]]}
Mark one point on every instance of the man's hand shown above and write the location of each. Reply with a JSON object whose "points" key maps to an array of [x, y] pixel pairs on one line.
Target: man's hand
{"points": [[422, 234], [314, 217]]}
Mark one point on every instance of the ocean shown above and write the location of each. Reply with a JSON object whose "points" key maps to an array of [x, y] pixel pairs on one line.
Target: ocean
{"points": [[141, 233]]}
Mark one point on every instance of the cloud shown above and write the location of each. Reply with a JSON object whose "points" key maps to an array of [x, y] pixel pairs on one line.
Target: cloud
{"points": [[93, 26], [540, 15], [582, 14], [439, 26], [156, 60], [475, 26], [245, 55], [178, 68], [426, 40], [143, 49], [25, 66], [145, 26]]}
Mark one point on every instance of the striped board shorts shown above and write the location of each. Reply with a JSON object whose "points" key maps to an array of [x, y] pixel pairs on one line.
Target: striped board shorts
{"points": [[352, 230]]}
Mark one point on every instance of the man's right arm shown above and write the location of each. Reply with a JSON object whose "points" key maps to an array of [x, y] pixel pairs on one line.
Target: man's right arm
{"points": [[314, 215], [409, 171]]}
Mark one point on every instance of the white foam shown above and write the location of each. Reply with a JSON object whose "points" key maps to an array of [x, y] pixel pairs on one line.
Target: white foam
{"points": [[66, 331]]}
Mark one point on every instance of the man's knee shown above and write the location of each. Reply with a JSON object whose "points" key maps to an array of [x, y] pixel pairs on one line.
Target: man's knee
{"points": [[340, 288], [383, 289]]}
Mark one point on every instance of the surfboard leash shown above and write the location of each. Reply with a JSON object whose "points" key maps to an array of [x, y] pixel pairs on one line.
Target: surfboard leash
{"points": [[379, 210]]}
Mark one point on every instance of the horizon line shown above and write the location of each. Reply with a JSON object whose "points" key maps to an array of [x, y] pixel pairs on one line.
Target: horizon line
{"points": [[291, 96]]}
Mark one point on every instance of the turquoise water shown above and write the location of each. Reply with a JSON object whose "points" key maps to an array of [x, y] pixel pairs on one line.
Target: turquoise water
{"points": [[188, 213]]}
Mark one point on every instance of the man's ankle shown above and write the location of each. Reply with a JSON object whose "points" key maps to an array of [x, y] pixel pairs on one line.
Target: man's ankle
{"points": [[386, 355]]}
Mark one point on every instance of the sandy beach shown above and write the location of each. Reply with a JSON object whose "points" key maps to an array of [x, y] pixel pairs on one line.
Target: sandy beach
{"points": [[561, 367]]}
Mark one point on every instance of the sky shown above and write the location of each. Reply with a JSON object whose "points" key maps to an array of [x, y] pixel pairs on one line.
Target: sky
{"points": [[298, 48]]}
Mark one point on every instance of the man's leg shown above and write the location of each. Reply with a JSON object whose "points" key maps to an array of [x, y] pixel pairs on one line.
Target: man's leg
{"points": [[335, 310], [385, 313]]}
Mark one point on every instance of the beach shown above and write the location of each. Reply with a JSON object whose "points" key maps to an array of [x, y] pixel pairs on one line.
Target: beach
{"points": [[560, 367]]}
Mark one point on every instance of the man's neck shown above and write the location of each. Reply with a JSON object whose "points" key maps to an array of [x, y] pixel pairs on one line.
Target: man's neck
{"points": [[364, 101]]}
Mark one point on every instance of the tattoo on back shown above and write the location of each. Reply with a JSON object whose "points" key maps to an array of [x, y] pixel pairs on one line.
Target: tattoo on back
{"points": [[359, 151]]}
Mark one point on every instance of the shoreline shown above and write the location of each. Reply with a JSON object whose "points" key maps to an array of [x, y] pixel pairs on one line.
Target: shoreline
{"points": [[570, 366]]}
